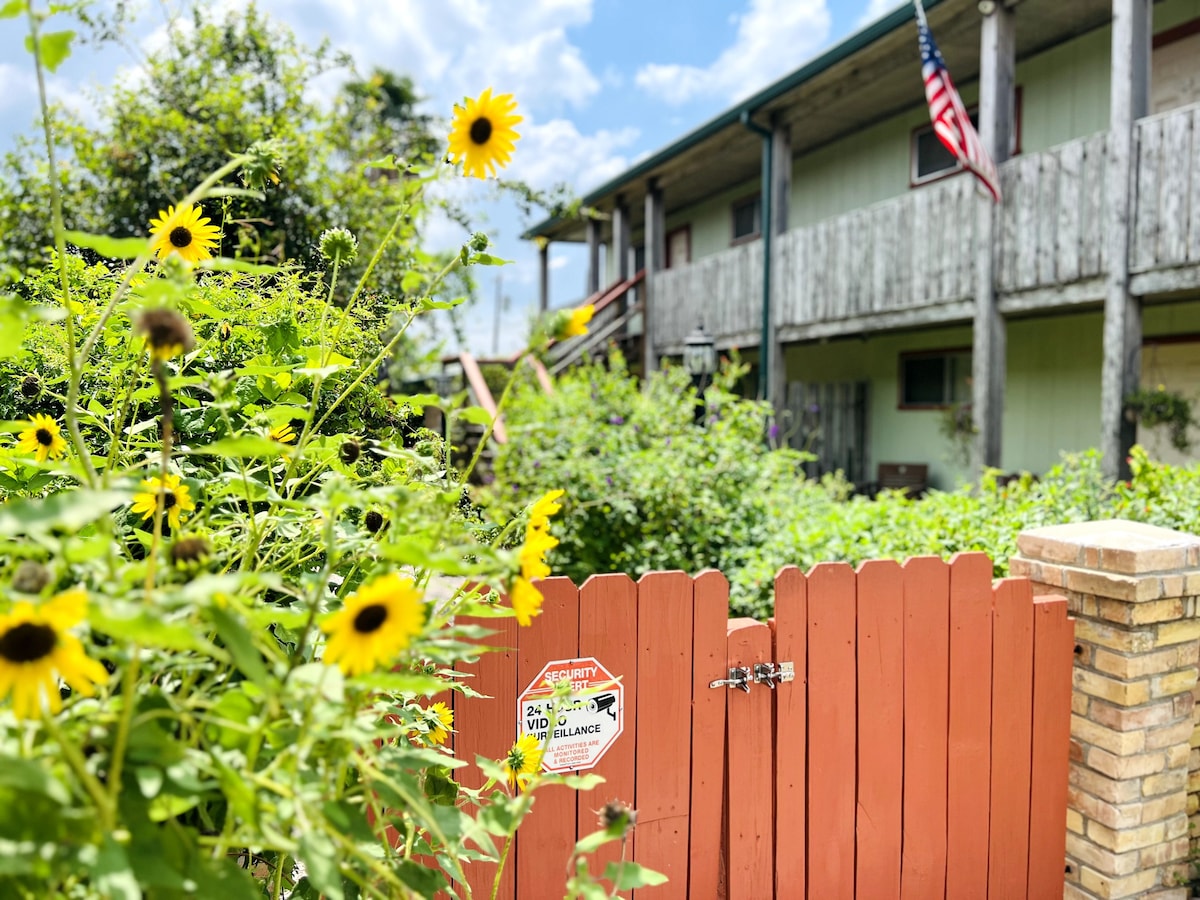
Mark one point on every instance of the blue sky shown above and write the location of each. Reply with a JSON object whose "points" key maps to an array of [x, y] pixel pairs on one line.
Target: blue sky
{"points": [[602, 83]]}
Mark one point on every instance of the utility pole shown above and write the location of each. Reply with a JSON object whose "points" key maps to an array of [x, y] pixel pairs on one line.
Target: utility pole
{"points": [[499, 307]]}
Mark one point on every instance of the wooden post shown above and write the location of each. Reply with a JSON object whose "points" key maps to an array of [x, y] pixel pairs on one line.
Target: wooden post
{"points": [[996, 110], [593, 270], [620, 238], [1121, 369], [543, 275], [656, 252], [781, 192]]}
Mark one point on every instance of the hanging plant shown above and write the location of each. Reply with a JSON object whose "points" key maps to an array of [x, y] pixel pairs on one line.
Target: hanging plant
{"points": [[957, 426], [1162, 407]]}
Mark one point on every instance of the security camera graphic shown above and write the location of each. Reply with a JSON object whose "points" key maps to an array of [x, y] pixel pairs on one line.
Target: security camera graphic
{"points": [[604, 703]]}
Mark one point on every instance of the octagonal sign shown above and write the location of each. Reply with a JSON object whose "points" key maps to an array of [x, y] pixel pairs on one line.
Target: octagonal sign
{"points": [[589, 721]]}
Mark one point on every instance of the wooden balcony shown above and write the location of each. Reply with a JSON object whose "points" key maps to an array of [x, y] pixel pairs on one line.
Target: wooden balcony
{"points": [[910, 261]]}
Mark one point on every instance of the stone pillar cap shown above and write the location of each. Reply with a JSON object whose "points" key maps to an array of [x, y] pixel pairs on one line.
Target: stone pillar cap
{"points": [[1113, 545]]}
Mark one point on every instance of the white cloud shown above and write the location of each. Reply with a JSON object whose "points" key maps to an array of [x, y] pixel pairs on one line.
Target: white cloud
{"points": [[875, 10], [773, 38], [557, 152], [17, 86]]}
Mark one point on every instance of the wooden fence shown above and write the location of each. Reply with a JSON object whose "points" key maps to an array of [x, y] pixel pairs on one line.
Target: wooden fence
{"points": [[920, 752]]}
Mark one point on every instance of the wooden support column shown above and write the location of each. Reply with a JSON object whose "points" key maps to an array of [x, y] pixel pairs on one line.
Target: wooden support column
{"points": [[1121, 369], [620, 239], [656, 252], [543, 274], [781, 195], [997, 73], [593, 270]]}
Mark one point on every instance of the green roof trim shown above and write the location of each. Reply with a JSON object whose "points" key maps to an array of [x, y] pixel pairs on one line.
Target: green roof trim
{"points": [[856, 42]]}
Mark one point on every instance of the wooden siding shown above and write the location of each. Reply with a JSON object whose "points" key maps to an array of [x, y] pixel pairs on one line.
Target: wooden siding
{"points": [[910, 260]]}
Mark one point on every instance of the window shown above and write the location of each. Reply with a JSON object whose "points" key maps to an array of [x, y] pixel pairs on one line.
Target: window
{"points": [[747, 217], [935, 379], [929, 158]]}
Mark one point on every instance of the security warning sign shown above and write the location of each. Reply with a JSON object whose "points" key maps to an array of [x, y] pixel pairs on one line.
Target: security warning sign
{"points": [[588, 722]]}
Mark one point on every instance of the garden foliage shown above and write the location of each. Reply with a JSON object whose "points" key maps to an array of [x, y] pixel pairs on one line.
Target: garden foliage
{"points": [[235, 572], [652, 489]]}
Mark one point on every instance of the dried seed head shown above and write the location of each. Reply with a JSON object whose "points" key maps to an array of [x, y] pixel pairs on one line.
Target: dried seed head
{"points": [[190, 550], [167, 332], [31, 386], [350, 451], [373, 521], [616, 816], [31, 577]]}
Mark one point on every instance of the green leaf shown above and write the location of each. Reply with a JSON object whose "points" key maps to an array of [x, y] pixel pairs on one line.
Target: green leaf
{"points": [[53, 47], [150, 629], [13, 8], [70, 510], [627, 876], [32, 778], [422, 879], [320, 861], [401, 683], [486, 259], [114, 875], [225, 264], [476, 415], [241, 646], [594, 841], [248, 446], [440, 788], [109, 247]]}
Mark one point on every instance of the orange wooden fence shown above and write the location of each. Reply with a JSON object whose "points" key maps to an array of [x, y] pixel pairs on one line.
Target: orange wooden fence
{"points": [[920, 752]]}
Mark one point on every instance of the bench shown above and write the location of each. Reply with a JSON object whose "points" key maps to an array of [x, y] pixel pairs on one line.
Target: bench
{"points": [[912, 478]]}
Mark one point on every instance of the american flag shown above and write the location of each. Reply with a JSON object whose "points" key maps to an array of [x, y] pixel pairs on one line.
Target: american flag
{"points": [[951, 123]]}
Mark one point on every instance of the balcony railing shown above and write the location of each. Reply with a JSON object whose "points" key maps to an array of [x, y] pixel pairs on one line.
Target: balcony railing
{"points": [[912, 259]]}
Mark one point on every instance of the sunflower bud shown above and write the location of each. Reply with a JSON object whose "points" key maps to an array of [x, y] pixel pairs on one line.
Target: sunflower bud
{"points": [[350, 451], [373, 521], [571, 323], [264, 161], [31, 577], [225, 332], [189, 551], [338, 244], [31, 387], [167, 332], [479, 242]]}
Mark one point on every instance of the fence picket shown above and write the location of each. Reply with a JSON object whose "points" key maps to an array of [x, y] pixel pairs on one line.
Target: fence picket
{"points": [[1053, 642], [664, 719], [710, 613], [880, 728], [550, 825], [486, 726], [970, 725], [832, 731], [790, 625], [1012, 692], [748, 795], [608, 631], [926, 709]]}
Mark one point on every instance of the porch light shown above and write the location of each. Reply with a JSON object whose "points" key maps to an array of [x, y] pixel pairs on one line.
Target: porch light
{"points": [[699, 354]]}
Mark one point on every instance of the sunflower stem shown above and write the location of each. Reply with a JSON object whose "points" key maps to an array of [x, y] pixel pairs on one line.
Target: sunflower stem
{"points": [[104, 804], [128, 702]]}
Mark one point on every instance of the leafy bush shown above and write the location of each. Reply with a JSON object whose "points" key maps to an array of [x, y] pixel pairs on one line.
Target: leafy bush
{"points": [[651, 490]]}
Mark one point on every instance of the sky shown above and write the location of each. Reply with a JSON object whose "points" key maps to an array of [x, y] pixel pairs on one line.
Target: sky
{"points": [[601, 84]]}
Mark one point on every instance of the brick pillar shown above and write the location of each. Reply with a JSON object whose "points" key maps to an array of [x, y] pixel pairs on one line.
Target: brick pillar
{"points": [[1132, 590]]}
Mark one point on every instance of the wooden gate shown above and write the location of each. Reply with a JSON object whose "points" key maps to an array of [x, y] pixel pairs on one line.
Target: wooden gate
{"points": [[920, 752]]}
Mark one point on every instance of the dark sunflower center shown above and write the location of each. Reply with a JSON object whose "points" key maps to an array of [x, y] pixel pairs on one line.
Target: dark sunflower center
{"points": [[180, 237], [168, 499], [27, 642], [481, 130], [369, 618], [44, 437]]}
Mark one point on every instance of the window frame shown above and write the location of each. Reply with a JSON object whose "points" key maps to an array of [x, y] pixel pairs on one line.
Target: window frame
{"points": [[756, 199], [682, 229], [905, 355], [927, 127]]}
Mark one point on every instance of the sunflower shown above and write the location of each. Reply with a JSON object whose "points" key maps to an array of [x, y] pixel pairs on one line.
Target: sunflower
{"points": [[482, 133], [526, 601], [176, 496], [439, 718], [36, 650], [576, 324], [183, 231], [43, 438], [543, 508], [374, 625], [284, 433], [533, 553], [523, 760]]}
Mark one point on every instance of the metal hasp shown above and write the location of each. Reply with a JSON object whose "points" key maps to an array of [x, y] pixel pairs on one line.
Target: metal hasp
{"points": [[772, 674], [738, 678]]}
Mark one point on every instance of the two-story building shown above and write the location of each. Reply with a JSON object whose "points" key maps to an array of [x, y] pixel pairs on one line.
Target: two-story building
{"points": [[893, 300]]}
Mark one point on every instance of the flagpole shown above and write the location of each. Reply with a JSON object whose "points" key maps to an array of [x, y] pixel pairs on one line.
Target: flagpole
{"points": [[920, 10]]}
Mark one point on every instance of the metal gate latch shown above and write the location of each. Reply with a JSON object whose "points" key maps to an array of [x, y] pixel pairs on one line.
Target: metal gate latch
{"points": [[738, 678], [772, 674]]}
